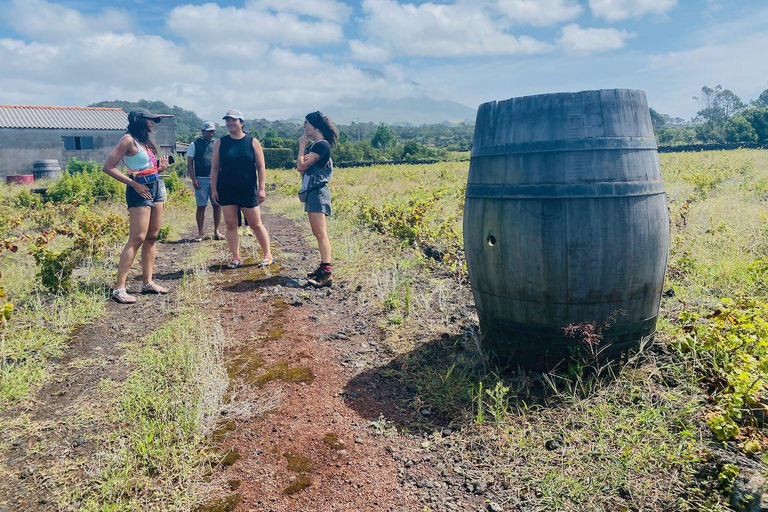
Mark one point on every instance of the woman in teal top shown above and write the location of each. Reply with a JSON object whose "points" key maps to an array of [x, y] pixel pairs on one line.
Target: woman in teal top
{"points": [[145, 195]]}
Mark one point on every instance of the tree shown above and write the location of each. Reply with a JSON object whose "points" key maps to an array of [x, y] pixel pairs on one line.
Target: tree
{"points": [[758, 119], [761, 101], [738, 129], [384, 137], [657, 120], [271, 139], [718, 104]]}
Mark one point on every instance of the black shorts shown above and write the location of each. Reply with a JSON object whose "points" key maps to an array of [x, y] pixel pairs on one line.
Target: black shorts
{"points": [[156, 188], [229, 196]]}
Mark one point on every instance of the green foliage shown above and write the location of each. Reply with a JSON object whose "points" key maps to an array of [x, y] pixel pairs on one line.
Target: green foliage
{"points": [[89, 240], [657, 120], [413, 151], [405, 222], [163, 233], [718, 104], [706, 172], [730, 351], [384, 137], [738, 129], [278, 158], [28, 199], [727, 476], [173, 184], [723, 118], [758, 119], [761, 101], [491, 401], [85, 183]]}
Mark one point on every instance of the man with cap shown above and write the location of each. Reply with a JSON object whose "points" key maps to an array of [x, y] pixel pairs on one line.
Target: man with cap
{"points": [[199, 159]]}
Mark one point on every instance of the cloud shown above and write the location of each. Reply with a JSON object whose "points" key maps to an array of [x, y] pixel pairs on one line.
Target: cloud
{"points": [[617, 10], [539, 12], [98, 60], [437, 30], [584, 41], [46, 21], [247, 32], [368, 52], [681, 75], [322, 9]]}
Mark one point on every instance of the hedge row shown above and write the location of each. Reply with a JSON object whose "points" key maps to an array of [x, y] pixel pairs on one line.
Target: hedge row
{"points": [[278, 158]]}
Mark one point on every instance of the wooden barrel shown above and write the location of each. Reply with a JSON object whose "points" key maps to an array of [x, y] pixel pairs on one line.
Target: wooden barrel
{"points": [[565, 223], [20, 179], [47, 170]]}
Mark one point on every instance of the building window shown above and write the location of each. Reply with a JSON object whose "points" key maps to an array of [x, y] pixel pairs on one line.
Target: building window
{"points": [[76, 143]]}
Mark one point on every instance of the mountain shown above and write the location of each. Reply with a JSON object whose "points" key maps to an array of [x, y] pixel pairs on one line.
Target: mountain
{"points": [[407, 111], [186, 123]]}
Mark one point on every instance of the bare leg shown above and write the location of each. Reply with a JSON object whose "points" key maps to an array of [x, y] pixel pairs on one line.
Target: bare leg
{"points": [[253, 217], [216, 220], [200, 217], [139, 223], [230, 226], [148, 247], [320, 230]]}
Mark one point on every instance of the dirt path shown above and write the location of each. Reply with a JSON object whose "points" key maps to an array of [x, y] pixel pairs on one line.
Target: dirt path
{"points": [[322, 448], [313, 355]]}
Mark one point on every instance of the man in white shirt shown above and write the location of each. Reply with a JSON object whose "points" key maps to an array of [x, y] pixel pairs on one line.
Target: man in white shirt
{"points": [[199, 158]]}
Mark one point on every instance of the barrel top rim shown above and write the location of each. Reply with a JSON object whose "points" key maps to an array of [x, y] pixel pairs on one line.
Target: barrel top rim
{"points": [[531, 96]]}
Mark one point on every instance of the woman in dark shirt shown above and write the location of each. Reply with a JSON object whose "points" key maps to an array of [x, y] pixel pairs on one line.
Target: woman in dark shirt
{"points": [[237, 159], [316, 167]]}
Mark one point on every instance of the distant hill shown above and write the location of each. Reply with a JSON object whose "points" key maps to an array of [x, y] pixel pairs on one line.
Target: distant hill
{"points": [[186, 122], [404, 111]]}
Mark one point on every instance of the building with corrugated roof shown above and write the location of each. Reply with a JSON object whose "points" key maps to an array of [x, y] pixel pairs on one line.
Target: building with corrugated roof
{"points": [[32, 133]]}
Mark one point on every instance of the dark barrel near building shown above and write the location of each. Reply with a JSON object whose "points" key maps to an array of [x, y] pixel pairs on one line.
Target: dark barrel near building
{"points": [[46, 170], [565, 223]]}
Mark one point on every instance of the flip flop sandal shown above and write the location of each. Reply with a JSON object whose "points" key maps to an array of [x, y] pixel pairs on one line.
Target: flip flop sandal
{"points": [[120, 295], [198, 239], [267, 262], [235, 263], [217, 236], [152, 287]]}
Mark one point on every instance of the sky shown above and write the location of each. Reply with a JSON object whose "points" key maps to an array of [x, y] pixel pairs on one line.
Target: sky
{"points": [[279, 58]]}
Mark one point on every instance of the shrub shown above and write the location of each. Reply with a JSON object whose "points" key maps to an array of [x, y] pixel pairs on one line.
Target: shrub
{"points": [[173, 184], [278, 158], [27, 199], [91, 237], [84, 183], [730, 351]]}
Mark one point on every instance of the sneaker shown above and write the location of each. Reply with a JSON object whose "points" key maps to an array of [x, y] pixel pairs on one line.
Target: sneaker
{"points": [[315, 272], [321, 279]]}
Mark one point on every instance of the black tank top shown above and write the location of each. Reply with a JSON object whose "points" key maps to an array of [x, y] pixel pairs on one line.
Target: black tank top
{"points": [[237, 162]]}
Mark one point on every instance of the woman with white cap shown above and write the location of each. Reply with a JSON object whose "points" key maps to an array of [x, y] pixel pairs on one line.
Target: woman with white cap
{"points": [[238, 176], [145, 194]]}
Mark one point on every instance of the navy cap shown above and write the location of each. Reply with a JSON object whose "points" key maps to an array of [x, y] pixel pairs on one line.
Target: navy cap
{"points": [[139, 113], [208, 126]]}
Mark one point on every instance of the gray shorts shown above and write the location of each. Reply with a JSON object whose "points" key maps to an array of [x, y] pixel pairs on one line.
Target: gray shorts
{"points": [[319, 201], [203, 194], [156, 188]]}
